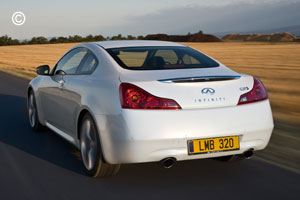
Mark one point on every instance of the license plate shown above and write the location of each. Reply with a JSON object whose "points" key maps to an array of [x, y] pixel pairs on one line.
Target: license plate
{"points": [[213, 145]]}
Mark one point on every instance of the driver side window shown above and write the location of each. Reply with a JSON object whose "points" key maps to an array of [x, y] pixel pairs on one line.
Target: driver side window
{"points": [[71, 61]]}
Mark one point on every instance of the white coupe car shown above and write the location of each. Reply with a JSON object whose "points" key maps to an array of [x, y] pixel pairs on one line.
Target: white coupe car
{"points": [[149, 101]]}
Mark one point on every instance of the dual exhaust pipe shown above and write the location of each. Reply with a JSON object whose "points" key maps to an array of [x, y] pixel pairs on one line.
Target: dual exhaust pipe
{"points": [[248, 154], [169, 162]]}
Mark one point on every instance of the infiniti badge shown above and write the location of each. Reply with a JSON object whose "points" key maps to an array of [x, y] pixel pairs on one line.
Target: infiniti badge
{"points": [[208, 91]]}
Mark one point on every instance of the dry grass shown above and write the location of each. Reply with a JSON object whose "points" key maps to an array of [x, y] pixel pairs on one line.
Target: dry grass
{"points": [[23, 60], [276, 64]]}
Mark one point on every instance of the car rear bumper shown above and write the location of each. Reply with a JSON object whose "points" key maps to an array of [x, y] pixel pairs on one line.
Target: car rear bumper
{"points": [[151, 135]]}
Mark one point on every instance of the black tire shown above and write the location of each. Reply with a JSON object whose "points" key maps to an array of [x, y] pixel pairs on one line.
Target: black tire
{"points": [[97, 168], [32, 113]]}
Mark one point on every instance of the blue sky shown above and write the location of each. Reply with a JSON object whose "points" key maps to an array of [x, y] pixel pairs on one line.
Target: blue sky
{"points": [[111, 17]]}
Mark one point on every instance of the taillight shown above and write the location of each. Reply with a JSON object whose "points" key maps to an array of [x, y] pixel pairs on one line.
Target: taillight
{"points": [[258, 93], [133, 97]]}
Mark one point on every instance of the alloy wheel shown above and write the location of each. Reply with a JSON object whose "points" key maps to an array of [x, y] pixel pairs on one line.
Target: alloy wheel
{"points": [[88, 145], [31, 110]]}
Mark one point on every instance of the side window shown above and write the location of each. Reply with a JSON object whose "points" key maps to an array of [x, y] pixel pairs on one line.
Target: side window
{"points": [[169, 56], [89, 65], [71, 61]]}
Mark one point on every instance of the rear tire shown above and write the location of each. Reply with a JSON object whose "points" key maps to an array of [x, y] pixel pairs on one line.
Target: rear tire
{"points": [[33, 117], [91, 152]]}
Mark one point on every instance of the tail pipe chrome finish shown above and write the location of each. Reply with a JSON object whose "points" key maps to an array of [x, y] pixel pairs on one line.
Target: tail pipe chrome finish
{"points": [[168, 162], [248, 154]]}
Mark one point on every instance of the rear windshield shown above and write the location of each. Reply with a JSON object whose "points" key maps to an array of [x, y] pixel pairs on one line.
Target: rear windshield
{"points": [[160, 58]]}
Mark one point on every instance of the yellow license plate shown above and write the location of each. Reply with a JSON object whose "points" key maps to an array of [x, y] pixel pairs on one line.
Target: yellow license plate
{"points": [[213, 145]]}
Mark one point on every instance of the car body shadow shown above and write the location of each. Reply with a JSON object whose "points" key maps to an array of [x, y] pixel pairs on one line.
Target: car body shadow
{"points": [[46, 145]]}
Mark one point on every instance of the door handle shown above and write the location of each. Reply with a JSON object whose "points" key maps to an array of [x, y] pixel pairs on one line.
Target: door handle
{"points": [[61, 82]]}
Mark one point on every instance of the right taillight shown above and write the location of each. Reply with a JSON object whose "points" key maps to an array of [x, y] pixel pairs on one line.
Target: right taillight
{"points": [[258, 93], [134, 97]]}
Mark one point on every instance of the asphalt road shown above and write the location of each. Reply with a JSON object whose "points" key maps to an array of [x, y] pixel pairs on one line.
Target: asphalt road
{"points": [[44, 166]]}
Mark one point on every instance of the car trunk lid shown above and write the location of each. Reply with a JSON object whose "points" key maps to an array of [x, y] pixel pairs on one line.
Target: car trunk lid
{"points": [[193, 88]]}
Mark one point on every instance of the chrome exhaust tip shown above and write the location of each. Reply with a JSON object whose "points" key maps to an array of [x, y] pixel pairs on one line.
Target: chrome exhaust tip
{"points": [[248, 154], [167, 163]]}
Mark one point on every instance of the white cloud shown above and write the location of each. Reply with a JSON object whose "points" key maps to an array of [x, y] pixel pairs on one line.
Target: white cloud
{"points": [[234, 16]]}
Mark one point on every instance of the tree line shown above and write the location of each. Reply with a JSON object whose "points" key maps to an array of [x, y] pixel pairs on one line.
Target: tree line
{"points": [[6, 40]]}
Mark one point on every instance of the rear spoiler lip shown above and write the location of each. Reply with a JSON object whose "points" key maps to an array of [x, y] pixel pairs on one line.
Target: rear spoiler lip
{"points": [[199, 79]]}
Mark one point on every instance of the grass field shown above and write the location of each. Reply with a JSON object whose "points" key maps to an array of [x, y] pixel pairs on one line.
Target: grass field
{"points": [[276, 64], [23, 60]]}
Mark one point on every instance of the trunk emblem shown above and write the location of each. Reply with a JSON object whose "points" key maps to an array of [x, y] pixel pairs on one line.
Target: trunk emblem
{"points": [[208, 91]]}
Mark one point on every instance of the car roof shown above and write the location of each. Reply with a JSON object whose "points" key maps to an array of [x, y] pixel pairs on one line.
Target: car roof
{"points": [[135, 43]]}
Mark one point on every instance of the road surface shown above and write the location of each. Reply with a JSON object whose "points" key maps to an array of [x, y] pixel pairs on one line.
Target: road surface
{"points": [[44, 166]]}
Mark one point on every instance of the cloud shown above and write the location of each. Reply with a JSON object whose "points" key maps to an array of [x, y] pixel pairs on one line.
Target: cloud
{"points": [[235, 16]]}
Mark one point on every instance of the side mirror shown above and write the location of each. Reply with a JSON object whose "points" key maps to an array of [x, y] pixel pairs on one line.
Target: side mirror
{"points": [[43, 70]]}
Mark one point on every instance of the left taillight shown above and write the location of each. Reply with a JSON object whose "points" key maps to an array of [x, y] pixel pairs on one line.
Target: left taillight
{"points": [[258, 93], [134, 97]]}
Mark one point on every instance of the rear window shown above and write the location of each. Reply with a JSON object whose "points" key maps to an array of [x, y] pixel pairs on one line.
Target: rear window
{"points": [[160, 58]]}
